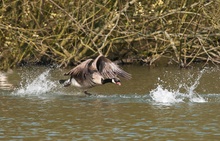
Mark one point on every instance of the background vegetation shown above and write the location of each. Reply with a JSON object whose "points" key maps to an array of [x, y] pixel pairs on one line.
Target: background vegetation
{"points": [[65, 32]]}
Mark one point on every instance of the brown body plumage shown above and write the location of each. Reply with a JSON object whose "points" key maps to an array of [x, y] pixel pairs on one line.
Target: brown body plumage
{"points": [[95, 72]]}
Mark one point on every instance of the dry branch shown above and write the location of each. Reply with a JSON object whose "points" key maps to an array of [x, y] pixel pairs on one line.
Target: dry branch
{"points": [[66, 32]]}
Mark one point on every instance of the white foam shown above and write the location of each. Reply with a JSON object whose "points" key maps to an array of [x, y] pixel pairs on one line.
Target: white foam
{"points": [[197, 99], [164, 96], [40, 85]]}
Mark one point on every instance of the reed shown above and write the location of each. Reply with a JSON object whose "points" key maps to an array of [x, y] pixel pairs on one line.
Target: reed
{"points": [[65, 32]]}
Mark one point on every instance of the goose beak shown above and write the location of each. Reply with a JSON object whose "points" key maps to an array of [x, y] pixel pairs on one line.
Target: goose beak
{"points": [[118, 83]]}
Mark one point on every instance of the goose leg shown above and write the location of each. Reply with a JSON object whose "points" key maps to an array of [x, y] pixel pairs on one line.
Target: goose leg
{"points": [[87, 93]]}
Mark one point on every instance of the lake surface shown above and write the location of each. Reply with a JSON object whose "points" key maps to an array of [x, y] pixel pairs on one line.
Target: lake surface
{"points": [[161, 103]]}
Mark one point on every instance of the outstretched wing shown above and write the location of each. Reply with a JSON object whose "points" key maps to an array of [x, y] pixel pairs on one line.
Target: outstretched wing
{"points": [[108, 69], [80, 69], [81, 73]]}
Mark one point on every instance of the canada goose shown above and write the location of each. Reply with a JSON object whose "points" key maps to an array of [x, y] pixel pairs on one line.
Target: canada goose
{"points": [[94, 72]]}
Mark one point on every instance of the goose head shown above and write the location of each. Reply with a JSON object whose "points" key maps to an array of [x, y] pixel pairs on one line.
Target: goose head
{"points": [[112, 80], [116, 81]]}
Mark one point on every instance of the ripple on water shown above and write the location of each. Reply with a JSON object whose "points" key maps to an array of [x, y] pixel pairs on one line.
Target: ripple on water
{"points": [[42, 85], [181, 115]]}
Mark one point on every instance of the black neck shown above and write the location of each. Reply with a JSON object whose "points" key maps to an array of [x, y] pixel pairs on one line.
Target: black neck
{"points": [[106, 81]]}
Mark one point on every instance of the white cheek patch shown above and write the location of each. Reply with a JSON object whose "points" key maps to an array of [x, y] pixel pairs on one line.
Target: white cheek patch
{"points": [[113, 81]]}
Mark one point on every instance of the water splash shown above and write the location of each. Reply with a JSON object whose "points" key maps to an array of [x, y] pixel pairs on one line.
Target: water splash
{"points": [[169, 96], [4, 84], [190, 89], [40, 85], [162, 95]]}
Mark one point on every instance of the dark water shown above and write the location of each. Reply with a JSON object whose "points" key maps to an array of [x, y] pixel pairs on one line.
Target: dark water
{"points": [[156, 104]]}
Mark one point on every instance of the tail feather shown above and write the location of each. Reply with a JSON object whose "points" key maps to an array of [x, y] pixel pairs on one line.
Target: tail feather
{"points": [[64, 82]]}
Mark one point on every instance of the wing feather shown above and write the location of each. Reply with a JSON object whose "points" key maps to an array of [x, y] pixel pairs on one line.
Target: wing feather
{"points": [[81, 73], [108, 69]]}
